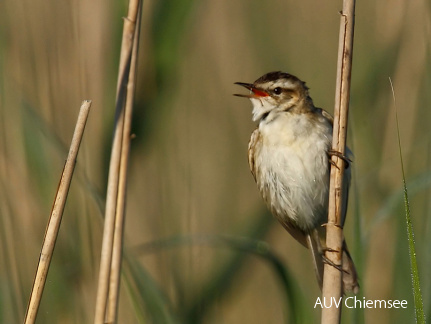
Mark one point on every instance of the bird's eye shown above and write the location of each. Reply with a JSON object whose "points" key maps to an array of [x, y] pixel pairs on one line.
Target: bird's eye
{"points": [[277, 90]]}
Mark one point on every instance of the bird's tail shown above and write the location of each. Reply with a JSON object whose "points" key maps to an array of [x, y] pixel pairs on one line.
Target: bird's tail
{"points": [[350, 276]]}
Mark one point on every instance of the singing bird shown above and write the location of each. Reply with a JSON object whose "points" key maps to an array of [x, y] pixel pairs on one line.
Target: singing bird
{"points": [[289, 157]]}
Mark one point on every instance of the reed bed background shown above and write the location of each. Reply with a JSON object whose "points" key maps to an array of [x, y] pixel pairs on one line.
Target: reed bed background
{"points": [[189, 181]]}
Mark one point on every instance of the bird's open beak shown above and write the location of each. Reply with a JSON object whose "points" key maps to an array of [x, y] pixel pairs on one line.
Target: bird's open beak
{"points": [[255, 93]]}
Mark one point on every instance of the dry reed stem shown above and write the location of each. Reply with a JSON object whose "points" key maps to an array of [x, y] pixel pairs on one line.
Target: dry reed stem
{"points": [[332, 278], [56, 215], [113, 297], [115, 163]]}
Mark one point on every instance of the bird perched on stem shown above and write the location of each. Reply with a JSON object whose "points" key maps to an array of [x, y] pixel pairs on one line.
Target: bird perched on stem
{"points": [[289, 157]]}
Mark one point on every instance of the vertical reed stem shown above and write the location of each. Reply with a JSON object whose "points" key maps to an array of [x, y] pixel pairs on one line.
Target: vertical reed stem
{"points": [[114, 286], [332, 279], [114, 177]]}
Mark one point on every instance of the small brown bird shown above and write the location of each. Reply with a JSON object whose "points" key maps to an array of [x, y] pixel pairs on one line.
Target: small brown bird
{"points": [[289, 157]]}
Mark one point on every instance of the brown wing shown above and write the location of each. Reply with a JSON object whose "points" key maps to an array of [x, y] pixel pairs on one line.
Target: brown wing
{"points": [[252, 147]]}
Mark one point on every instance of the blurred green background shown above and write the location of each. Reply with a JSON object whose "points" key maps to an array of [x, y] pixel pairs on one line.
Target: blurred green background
{"points": [[196, 225]]}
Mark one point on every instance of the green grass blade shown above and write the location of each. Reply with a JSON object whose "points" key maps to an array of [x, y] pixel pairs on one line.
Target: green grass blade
{"points": [[417, 296], [150, 301], [223, 280]]}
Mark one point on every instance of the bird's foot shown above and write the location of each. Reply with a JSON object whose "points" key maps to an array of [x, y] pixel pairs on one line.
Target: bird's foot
{"points": [[346, 160], [336, 225], [329, 262]]}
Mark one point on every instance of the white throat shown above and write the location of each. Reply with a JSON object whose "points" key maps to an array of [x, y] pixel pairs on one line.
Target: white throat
{"points": [[260, 108]]}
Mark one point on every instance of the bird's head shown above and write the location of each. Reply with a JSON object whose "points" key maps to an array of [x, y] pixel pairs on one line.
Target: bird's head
{"points": [[274, 91]]}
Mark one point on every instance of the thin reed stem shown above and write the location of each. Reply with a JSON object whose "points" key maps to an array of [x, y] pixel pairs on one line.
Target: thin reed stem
{"points": [[332, 278], [114, 287], [115, 177], [54, 222]]}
